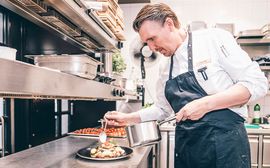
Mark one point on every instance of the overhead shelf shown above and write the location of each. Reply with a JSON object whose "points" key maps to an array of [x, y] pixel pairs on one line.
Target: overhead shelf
{"points": [[253, 41], [88, 23], [22, 80], [265, 68]]}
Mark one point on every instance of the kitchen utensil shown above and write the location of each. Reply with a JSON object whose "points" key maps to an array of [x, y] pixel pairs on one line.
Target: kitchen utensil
{"points": [[85, 154], [145, 133], [103, 135], [81, 65]]}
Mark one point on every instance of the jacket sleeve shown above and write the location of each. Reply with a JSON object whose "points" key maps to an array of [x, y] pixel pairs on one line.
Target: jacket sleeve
{"points": [[239, 66], [161, 109]]}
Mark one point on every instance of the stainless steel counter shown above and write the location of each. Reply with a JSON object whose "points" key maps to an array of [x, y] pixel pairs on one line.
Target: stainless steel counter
{"points": [[259, 131], [250, 131], [61, 153]]}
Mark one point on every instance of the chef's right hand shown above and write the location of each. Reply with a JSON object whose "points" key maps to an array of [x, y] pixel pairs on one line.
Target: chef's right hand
{"points": [[115, 118]]}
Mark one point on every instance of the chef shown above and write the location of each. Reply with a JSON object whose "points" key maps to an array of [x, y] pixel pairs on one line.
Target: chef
{"points": [[207, 83]]}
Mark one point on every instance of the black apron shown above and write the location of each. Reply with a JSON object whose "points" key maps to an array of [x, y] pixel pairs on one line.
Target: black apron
{"points": [[217, 140]]}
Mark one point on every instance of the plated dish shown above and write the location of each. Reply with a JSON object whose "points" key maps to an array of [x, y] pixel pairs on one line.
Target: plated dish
{"points": [[105, 152]]}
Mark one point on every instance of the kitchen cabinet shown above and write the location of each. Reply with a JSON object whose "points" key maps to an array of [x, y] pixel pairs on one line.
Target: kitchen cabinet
{"points": [[171, 148], [164, 151], [2, 137], [259, 140], [254, 149], [266, 152]]}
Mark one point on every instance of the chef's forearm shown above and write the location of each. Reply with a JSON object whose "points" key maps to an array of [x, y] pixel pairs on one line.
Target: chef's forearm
{"points": [[133, 117], [234, 96]]}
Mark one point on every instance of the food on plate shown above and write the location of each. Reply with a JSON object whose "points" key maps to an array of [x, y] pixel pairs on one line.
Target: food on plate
{"points": [[113, 132], [107, 150]]}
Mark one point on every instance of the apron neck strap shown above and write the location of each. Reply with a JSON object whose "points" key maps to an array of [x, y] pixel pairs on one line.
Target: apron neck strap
{"points": [[171, 68], [190, 61], [190, 55]]}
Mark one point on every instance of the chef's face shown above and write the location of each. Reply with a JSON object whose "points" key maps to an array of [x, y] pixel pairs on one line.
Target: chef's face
{"points": [[158, 37]]}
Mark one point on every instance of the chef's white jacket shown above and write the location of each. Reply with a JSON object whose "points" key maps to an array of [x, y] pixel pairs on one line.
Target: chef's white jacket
{"points": [[226, 64]]}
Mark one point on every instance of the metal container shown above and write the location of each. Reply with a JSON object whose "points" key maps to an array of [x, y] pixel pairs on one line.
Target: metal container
{"points": [[119, 80], [80, 65], [106, 59], [145, 133], [8, 53]]}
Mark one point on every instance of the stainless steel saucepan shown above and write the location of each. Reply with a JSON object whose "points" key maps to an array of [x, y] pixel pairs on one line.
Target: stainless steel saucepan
{"points": [[145, 133]]}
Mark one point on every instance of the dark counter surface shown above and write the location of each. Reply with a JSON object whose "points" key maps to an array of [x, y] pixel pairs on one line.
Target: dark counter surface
{"points": [[61, 153]]}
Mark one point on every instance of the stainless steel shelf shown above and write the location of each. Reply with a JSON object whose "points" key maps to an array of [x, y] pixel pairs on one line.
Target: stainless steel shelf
{"points": [[22, 80], [18, 8], [253, 41], [79, 17], [265, 68], [90, 25]]}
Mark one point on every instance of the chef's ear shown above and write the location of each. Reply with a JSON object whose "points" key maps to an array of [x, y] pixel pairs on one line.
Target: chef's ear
{"points": [[169, 23]]}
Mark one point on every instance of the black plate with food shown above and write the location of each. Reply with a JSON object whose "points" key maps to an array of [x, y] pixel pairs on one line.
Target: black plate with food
{"points": [[106, 153]]}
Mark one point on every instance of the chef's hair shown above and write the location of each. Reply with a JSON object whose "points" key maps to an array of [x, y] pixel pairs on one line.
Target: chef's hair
{"points": [[155, 12]]}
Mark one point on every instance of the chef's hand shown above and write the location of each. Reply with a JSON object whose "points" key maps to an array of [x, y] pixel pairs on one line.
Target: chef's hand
{"points": [[122, 119], [115, 118], [193, 110]]}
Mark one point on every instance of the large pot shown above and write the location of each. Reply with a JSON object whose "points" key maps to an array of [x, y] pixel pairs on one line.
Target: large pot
{"points": [[145, 133]]}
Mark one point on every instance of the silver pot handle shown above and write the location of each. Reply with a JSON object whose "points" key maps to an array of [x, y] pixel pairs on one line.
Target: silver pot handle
{"points": [[167, 120]]}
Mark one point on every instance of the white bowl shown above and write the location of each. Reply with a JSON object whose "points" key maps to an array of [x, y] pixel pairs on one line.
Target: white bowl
{"points": [[8, 53]]}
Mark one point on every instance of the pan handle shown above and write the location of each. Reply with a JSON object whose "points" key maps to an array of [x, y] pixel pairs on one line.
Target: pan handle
{"points": [[167, 120]]}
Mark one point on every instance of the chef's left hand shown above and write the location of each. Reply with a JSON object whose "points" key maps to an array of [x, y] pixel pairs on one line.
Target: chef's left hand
{"points": [[193, 110]]}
